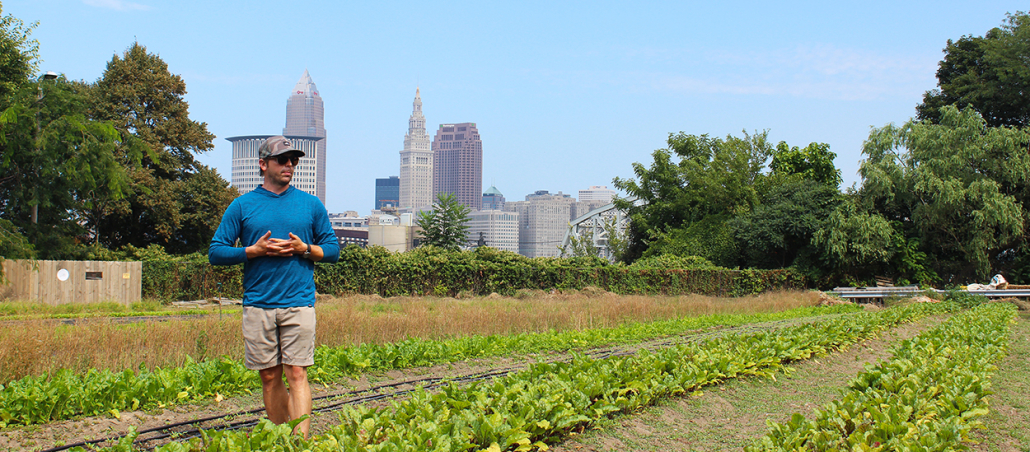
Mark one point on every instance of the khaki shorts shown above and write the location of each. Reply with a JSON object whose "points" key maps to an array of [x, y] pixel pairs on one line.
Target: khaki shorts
{"points": [[278, 336]]}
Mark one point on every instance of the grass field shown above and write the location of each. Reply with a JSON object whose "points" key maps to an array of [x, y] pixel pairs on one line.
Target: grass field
{"points": [[36, 346]]}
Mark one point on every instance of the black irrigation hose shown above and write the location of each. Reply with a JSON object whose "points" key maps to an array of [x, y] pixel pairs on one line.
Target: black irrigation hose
{"points": [[167, 431]]}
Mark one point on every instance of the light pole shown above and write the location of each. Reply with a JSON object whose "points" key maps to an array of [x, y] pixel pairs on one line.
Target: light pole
{"points": [[49, 75]]}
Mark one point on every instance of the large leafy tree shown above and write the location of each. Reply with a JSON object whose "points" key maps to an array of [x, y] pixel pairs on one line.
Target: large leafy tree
{"points": [[18, 55], [174, 200], [778, 230], [988, 73], [953, 186], [53, 159], [204, 192], [445, 226], [813, 162], [55, 162], [693, 178]]}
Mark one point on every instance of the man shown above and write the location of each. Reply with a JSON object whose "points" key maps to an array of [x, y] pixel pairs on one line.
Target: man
{"points": [[287, 230]]}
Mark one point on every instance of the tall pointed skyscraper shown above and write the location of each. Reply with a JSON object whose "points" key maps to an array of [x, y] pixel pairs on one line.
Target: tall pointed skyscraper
{"points": [[416, 162], [305, 117]]}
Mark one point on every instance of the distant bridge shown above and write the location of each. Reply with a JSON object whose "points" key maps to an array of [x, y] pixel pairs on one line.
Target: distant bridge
{"points": [[592, 224]]}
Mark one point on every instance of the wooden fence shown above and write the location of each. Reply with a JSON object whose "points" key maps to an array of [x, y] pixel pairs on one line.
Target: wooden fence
{"points": [[61, 282]]}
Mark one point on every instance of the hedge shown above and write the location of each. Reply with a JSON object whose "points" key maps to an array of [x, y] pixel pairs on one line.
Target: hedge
{"points": [[429, 271]]}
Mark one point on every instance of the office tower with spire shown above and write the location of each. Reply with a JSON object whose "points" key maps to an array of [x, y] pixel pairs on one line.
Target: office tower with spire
{"points": [[305, 117], [458, 163], [416, 188]]}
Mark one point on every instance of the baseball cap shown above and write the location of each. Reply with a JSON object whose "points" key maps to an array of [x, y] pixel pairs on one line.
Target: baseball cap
{"points": [[276, 145]]}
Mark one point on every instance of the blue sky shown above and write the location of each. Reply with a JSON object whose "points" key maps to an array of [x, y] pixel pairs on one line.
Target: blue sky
{"points": [[565, 94]]}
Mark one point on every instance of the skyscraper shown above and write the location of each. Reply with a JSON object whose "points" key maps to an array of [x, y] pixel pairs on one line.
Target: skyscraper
{"points": [[305, 116], [543, 220], [416, 188], [493, 199], [458, 163], [597, 193], [246, 175], [387, 191], [499, 229]]}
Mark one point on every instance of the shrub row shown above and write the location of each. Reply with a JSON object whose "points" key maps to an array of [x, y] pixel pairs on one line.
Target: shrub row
{"points": [[528, 410], [432, 271], [926, 398]]}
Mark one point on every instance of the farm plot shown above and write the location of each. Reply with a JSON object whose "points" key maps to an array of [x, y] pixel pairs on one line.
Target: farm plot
{"points": [[528, 407], [928, 389], [386, 357], [563, 396]]}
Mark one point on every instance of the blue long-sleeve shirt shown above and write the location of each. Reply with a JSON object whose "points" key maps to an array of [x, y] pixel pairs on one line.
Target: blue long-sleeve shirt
{"points": [[274, 282]]}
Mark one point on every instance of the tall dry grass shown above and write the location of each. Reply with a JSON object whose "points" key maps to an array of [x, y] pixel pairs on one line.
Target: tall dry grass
{"points": [[36, 347]]}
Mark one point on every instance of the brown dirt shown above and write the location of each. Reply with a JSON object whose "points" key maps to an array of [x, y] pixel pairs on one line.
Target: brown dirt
{"points": [[730, 416]]}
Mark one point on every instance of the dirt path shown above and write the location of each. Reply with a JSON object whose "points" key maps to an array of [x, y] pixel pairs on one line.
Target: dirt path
{"points": [[1007, 427], [733, 415]]}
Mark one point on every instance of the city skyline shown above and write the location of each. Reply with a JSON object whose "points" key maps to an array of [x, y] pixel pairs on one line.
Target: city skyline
{"points": [[566, 99]]}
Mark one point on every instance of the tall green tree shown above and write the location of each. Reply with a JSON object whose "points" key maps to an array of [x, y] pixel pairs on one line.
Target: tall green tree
{"points": [[953, 186], [988, 73], [813, 162], [445, 226], [53, 159], [779, 230], [696, 176], [19, 55], [174, 200]]}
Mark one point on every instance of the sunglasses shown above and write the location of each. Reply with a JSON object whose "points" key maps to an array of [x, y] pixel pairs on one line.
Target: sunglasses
{"points": [[283, 158]]}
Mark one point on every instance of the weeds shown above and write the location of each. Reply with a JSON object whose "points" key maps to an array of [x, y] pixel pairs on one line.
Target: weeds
{"points": [[36, 347]]}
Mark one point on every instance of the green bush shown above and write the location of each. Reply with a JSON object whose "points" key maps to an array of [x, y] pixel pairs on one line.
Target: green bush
{"points": [[672, 261], [433, 271]]}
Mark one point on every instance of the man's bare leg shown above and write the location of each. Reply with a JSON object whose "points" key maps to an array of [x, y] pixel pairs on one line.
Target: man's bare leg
{"points": [[300, 396], [275, 394]]}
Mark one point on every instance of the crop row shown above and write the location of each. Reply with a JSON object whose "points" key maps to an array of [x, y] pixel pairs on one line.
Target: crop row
{"points": [[63, 395], [926, 398], [529, 409]]}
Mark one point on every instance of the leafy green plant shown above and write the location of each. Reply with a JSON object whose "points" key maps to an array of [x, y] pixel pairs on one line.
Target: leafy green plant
{"points": [[40, 399], [527, 410], [927, 397]]}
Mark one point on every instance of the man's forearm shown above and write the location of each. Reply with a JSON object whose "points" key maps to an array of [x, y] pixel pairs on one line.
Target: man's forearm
{"points": [[316, 253]]}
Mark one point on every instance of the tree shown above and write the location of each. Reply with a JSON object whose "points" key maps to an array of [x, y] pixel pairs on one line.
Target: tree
{"points": [[988, 73], [174, 200], [814, 162], [953, 186], [778, 230], [853, 242], [711, 177], [140, 95], [18, 55], [53, 161], [445, 226], [203, 193]]}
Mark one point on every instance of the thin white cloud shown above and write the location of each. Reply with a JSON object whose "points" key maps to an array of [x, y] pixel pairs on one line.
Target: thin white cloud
{"points": [[117, 5], [813, 71], [816, 71]]}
